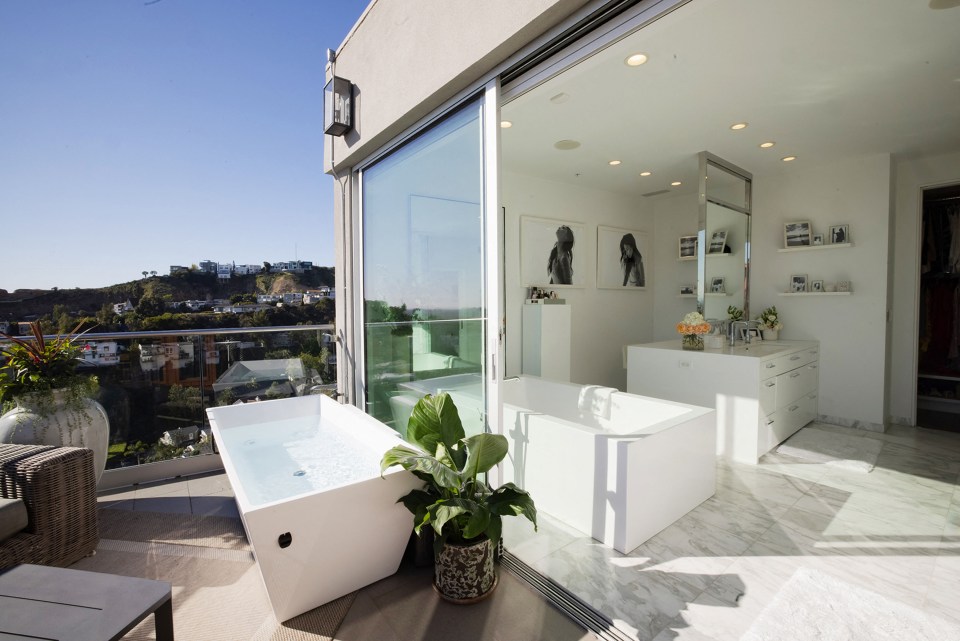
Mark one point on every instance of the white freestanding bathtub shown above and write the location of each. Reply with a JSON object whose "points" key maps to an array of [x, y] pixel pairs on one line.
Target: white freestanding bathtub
{"points": [[619, 467], [306, 474]]}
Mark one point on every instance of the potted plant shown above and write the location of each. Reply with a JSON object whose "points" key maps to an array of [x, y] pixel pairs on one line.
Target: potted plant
{"points": [[46, 401], [456, 502], [770, 323]]}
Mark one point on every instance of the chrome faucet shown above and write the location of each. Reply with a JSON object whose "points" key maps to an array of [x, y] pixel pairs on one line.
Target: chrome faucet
{"points": [[747, 326]]}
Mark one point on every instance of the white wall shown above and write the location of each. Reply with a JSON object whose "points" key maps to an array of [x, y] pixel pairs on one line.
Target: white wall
{"points": [[674, 217], [603, 320], [851, 329], [911, 177]]}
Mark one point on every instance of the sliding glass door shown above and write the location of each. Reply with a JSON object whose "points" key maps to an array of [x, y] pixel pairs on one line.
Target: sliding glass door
{"points": [[422, 267]]}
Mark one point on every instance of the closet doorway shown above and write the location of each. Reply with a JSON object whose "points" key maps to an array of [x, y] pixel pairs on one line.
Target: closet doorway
{"points": [[938, 358]]}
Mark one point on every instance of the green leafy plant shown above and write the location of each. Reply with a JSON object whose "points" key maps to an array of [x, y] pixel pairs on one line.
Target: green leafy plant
{"points": [[770, 319], [456, 501], [37, 367], [735, 313]]}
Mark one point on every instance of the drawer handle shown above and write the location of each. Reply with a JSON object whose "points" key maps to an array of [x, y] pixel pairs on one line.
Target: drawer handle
{"points": [[771, 384], [770, 422], [812, 366], [794, 374], [794, 358], [794, 408], [771, 365]]}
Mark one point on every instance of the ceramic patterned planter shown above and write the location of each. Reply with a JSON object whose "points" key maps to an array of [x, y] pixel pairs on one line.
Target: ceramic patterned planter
{"points": [[465, 573]]}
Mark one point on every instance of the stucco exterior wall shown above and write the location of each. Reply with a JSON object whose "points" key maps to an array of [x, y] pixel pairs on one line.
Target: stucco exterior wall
{"points": [[404, 68]]}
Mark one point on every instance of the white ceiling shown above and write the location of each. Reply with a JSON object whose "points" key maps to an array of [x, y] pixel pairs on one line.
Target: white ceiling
{"points": [[823, 78]]}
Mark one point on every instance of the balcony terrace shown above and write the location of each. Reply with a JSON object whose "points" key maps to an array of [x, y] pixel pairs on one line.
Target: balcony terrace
{"points": [[894, 532]]}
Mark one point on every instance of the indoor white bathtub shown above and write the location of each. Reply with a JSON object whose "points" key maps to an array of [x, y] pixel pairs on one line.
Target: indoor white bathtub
{"points": [[619, 467], [306, 474]]}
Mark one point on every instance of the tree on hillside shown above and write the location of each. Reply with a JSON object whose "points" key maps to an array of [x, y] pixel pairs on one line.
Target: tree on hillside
{"points": [[266, 267], [150, 305], [153, 273]]}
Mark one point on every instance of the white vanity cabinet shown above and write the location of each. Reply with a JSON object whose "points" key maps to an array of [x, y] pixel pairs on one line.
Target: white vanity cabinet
{"points": [[763, 392]]}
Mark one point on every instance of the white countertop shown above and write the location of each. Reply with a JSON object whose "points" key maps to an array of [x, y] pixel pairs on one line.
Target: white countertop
{"points": [[754, 349]]}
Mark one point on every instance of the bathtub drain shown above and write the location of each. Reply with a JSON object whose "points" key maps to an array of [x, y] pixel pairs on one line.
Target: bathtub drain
{"points": [[299, 473]]}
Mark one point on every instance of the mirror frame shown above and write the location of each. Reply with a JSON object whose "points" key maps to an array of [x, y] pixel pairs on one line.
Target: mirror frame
{"points": [[707, 160]]}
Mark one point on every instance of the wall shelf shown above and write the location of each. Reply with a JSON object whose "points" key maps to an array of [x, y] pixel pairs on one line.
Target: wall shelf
{"points": [[939, 377], [686, 259], [807, 248], [719, 294], [814, 293]]}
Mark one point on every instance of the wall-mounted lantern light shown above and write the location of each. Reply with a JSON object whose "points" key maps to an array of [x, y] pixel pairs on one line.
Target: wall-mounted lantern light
{"points": [[338, 106]]}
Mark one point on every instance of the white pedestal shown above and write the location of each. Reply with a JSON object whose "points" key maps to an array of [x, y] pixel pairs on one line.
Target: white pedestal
{"points": [[546, 341]]}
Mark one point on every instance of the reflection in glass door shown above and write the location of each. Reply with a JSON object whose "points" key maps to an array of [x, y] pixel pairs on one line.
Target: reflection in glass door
{"points": [[422, 271]]}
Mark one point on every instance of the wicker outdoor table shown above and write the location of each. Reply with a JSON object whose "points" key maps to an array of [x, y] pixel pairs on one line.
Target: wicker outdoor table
{"points": [[37, 601]]}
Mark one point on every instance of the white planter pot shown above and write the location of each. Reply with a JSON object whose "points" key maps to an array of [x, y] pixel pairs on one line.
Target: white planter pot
{"points": [[771, 334], [84, 426]]}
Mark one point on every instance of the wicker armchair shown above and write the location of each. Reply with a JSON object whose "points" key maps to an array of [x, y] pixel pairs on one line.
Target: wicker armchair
{"points": [[59, 487]]}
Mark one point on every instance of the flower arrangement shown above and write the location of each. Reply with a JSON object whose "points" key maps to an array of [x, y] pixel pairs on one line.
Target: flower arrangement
{"points": [[770, 319], [34, 369], [693, 323]]}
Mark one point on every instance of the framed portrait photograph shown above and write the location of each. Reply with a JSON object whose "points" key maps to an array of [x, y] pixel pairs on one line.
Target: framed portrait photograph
{"points": [[816, 286], [798, 283], [717, 285], [796, 234], [549, 253], [839, 234], [688, 290], [718, 240], [818, 239], [620, 259], [688, 247]]}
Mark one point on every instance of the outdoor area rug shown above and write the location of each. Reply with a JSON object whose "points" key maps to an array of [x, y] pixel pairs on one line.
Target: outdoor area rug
{"points": [[217, 590], [849, 452], [813, 606]]}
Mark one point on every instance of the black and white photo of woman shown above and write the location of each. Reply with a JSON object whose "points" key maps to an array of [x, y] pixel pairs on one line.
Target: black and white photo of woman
{"points": [[560, 263], [631, 262]]}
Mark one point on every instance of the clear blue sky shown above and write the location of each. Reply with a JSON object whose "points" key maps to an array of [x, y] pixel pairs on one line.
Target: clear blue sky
{"points": [[139, 134]]}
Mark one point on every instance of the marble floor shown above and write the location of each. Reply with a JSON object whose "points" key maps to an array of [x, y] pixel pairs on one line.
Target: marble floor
{"points": [[894, 531]]}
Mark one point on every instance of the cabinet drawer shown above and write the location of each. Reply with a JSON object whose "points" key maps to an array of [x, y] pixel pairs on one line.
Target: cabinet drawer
{"points": [[796, 384], [784, 422], [768, 395]]}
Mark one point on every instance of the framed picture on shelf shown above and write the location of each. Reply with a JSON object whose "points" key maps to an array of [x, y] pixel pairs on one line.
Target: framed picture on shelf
{"points": [[839, 234], [717, 285], [687, 290], [816, 286], [796, 234], [620, 259], [818, 239], [718, 240], [798, 283], [688, 247], [549, 253]]}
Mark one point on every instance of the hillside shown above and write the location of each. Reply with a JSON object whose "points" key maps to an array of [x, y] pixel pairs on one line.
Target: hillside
{"points": [[25, 304]]}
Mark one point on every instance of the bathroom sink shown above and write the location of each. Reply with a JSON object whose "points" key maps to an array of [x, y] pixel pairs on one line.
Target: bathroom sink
{"points": [[757, 349]]}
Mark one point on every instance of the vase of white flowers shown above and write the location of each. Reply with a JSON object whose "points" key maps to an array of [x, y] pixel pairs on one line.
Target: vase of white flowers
{"points": [[770, 324]]}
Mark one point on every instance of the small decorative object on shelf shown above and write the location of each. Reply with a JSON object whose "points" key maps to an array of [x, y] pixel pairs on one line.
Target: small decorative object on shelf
{"points": [[843, 285], [692, 328], [770, 323], [839, 234]]}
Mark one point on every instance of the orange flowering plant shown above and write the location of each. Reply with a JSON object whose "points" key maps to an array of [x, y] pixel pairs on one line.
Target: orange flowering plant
{"points": [[693, 323]]}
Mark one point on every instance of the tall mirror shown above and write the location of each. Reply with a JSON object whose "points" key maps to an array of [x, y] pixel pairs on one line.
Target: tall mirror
{"points": [[723, 253]]}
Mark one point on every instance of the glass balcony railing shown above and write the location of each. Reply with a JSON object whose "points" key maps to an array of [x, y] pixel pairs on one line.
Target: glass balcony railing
{"points": [[155, 386]]}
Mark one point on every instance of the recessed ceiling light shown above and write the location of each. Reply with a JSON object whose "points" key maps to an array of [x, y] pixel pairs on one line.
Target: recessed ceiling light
{"points": [[788, 158], [767, 145], [738, 126], [636, 60], [645, 173], [614, 163], [566, 145], [505, 124], [560, 98], [676, 183]]}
